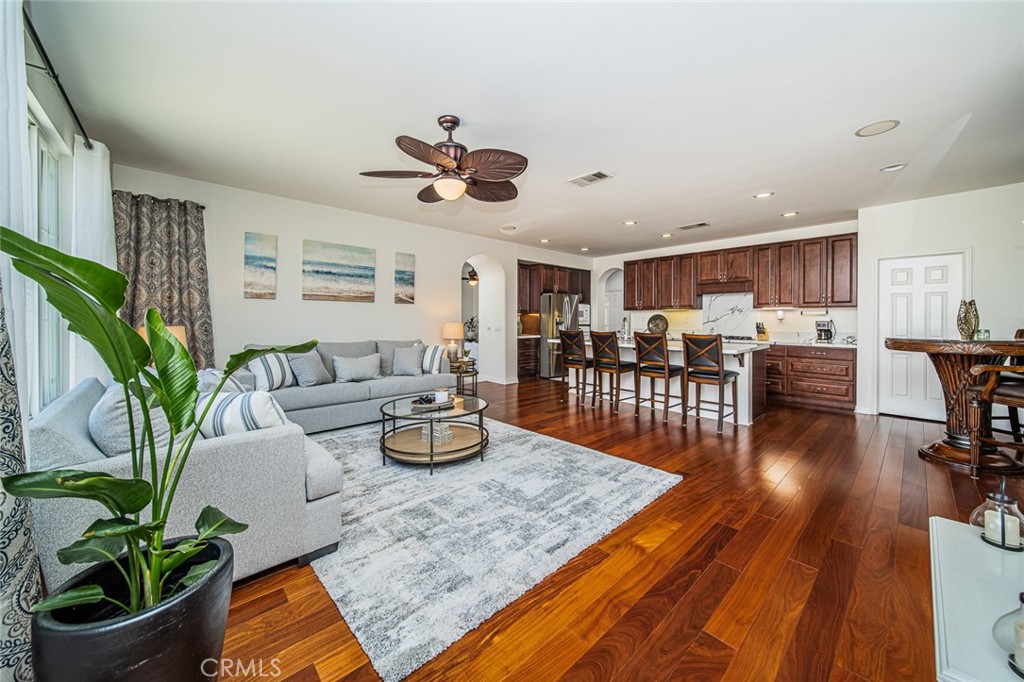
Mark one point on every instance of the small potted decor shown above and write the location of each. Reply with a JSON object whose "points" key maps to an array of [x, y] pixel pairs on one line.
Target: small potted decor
{"points": [[152, 608], [470, 327]]}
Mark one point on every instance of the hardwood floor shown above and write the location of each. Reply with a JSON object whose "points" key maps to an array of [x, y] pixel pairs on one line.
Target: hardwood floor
{"points": [[796, 549]]}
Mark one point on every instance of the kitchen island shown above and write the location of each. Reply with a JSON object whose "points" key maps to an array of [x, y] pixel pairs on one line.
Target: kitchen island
{"points": [[745, 358]]}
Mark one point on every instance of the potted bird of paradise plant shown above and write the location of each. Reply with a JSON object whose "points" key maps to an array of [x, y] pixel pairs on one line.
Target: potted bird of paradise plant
{"points": [[152, 608]]}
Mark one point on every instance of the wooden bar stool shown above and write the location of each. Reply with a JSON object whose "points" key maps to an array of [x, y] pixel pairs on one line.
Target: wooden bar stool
{"points": [[1001, 388], [574, 356], [652, 362], [607, 362], [705, 366]]}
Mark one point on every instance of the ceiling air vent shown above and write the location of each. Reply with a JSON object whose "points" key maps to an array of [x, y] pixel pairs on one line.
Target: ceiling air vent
{"points": [[590, 178], [692, 226]]}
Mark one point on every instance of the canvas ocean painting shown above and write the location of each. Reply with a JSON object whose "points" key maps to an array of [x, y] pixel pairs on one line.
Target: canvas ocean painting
{"points": [[336, 272], [260, 271], [405, 278]]}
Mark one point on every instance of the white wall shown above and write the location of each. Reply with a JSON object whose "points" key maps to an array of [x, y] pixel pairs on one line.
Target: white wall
{"points": [[440, 254], [987, 223]]}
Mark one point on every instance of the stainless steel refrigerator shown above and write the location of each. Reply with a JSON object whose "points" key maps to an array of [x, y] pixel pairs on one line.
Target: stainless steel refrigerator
{"points": [[557, 312]]}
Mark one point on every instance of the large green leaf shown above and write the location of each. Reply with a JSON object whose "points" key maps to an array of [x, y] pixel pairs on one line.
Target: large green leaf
{"points": [[107, 528], [101, 283], [85, 594], [180, 553], [212, 523], [122, 496], [176, 371], [121, 348], [196, 572], [91, 550], [239, 360]]}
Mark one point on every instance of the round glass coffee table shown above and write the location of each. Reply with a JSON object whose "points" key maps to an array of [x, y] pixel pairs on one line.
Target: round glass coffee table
{"points": [[417, 436]]}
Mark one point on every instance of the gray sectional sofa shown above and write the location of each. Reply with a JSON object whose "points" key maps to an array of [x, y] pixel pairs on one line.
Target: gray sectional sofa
{"points": [[285, 486], [336, 405]]}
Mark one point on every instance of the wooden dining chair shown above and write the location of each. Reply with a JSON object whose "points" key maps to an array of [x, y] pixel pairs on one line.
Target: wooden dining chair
{"points": [[705, 366], [1001, 388], [574, 357], [652, 362], [608, 363]]}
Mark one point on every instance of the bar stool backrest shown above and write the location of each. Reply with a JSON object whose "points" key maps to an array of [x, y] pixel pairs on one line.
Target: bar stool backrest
{"points": [[572, 344], [1018, 359], [703, 352], [651, 350], [606, 347]]}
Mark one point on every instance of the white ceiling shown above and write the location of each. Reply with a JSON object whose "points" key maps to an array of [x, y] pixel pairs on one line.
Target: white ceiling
{"points": [[693, 108]]}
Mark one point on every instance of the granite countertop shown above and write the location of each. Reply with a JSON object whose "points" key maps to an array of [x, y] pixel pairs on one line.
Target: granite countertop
{"points": [[528, 336], [728, 347], [812, 343]]}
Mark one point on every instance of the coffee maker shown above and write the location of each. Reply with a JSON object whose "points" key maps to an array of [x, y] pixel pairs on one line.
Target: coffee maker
{"points": [[826, 331]]}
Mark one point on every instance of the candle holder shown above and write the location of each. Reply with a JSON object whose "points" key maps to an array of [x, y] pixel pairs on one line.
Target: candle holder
{"points": [[1000, 520], [1008, 631]]}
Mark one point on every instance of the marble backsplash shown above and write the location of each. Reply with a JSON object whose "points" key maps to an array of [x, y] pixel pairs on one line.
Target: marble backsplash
{"points": [[728, 314]]}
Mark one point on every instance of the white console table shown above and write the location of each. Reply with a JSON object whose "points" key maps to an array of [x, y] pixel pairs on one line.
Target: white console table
{"points": [[972, 585]]}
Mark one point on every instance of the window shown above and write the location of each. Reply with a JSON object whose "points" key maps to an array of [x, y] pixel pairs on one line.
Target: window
{"points": [[49, 366]]}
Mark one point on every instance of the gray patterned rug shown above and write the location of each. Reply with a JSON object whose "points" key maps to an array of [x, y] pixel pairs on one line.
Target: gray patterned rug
{"points": [[425, 559]]}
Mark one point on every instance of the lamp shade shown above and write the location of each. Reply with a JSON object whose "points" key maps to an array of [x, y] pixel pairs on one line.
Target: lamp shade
{"points": [[450, 187], [452, 330], [177, 331]]}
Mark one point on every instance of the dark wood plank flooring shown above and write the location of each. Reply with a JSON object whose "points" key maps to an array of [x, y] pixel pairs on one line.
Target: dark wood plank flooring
{"points": [[796, 549]]}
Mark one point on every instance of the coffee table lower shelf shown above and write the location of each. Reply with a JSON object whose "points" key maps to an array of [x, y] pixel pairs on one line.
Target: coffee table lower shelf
{"points": [[405, 443]]}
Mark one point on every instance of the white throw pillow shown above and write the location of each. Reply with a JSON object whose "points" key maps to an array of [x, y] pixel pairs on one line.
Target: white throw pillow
{"points": [[357, 369], [272, 372], [238, 412], [432, 357]]}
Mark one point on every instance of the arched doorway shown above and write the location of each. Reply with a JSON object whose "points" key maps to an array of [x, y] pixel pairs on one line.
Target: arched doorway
{"points": [[490, 306], [611, 312]]}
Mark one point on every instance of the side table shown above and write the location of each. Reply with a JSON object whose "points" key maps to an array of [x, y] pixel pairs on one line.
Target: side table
{"points": [[465, 376]]}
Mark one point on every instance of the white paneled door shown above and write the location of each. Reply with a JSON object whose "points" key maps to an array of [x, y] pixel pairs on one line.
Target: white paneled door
{"points": [[918, 298]]}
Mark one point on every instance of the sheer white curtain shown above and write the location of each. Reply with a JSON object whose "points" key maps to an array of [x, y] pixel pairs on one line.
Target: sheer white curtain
{"points": [[92, 237], [19, 565], [17, 210]]}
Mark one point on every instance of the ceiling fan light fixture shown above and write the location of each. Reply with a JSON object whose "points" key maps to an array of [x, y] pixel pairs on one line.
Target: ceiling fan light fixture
{"points": [[471, 278], [450, 187]]}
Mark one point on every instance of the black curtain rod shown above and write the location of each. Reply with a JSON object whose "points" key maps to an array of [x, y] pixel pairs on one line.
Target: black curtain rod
{"points": [[52, 74]]}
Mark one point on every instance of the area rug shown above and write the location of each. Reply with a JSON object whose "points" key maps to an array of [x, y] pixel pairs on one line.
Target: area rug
{"points": [[425, 559]]}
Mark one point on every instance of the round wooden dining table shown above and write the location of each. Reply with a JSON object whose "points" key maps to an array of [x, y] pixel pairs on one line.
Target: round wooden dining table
{"points": [[953, 360]]}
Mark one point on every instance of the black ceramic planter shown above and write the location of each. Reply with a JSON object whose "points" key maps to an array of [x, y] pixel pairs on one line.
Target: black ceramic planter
{"points": [[167, 643]]}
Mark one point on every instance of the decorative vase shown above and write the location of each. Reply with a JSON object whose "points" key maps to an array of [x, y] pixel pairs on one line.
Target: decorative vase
{"points": [[178, 640], [1008, 632], [967, 320]]}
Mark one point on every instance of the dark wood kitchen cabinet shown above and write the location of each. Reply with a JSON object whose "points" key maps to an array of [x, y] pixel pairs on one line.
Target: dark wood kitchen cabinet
{"points": [[640, 284], [579, 283], [536, 279], [528, 357], [523, 289], [677, 283], [828, 271], [812, 376], [775, 275], [727, 265]]}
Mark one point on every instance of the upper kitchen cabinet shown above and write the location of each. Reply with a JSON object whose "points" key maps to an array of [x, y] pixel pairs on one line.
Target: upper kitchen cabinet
{"points": [[828, 271], [562, 281], [775, 275], [579, 283], [677, 279], [536, 279], [728, 265], [640, 284], [523, 289]]}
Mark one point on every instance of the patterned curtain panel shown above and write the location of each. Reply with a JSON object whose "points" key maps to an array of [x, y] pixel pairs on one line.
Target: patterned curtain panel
{"points": [[161, 249], [19, 565]]}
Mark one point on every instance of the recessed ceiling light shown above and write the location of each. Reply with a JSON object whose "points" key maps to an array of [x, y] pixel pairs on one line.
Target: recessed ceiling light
{"points": [[877, 128], [764, 195], [893, 167], [629, 223], [584, 248], [544, 241], [790, 214], [666, 236], [508, 229]]}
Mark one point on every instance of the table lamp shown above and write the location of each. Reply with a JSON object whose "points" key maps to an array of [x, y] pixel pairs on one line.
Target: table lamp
{"points": [[453, 331], [177, 331]]}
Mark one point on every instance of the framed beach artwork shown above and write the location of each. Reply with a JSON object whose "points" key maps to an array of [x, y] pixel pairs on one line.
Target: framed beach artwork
{"points": [[260, 271], [336, 272], [405, 278]]}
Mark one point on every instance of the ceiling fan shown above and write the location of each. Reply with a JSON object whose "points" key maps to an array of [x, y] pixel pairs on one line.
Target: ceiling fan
{"points": [[483, 174]]}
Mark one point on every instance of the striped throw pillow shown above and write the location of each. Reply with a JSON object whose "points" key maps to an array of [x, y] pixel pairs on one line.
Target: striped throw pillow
{"points": [[432, 357], [209, 378], [272, 372], [238, 412]]}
